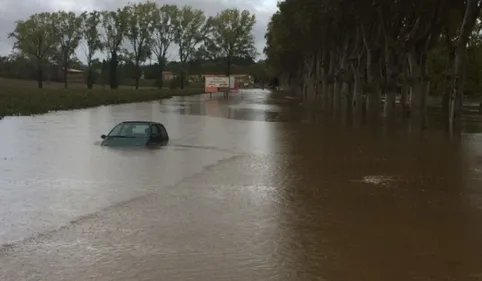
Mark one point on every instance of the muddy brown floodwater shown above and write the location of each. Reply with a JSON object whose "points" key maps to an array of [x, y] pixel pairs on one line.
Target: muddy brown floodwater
{"points": [[250, 188]]}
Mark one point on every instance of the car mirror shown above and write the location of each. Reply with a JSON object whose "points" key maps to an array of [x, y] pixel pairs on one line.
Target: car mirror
{"points": [[103, 136]]}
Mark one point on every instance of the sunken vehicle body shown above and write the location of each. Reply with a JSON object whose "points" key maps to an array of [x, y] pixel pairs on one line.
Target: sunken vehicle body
{"points": [[136, 133]]}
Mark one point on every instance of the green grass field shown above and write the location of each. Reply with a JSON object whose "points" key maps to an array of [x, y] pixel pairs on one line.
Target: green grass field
{"points": [[21, 97]]}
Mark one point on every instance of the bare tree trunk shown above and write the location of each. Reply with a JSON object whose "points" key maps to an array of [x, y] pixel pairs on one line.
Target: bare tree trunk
{"points": [[318, 77], [373, 76], [447, 83], [419, 87], [138, 73], [114, 84], [345, 96], [390, 102], [40, 77], [357, 92], [325, 79], [472, 11], [331, 82], [405, 89], [181, 58], [336, 94], [90, 77], [392, 70], [373, 71], [66, 84], [313, 86], [341, 84], [103, 73], [403, 99], [160, 78], [228, 67], [307, 78]]}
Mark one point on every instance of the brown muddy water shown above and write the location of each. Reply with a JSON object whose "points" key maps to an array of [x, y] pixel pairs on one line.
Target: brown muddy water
{"points": [[250, 188]]}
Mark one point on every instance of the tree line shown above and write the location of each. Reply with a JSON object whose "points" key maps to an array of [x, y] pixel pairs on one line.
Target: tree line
{"points": [[351, 55], [135, 34], [16, 67]]}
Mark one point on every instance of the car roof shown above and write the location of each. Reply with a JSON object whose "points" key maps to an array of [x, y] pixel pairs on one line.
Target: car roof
{"points": [[140, 122]]}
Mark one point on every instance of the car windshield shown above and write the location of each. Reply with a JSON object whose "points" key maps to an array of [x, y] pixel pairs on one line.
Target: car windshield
{"points": [[130, 130]]}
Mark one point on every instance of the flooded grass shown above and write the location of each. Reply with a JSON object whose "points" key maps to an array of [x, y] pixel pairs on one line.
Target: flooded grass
{"points": [[29, 101]]}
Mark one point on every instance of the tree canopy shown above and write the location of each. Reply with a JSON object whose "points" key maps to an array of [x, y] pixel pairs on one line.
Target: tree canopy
{"points": [[36, 40], [349, 53], [230, 34], [134, 34]]}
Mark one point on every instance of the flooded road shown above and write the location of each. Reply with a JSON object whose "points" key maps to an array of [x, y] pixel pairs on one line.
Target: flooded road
{"points": [[250, 188]]}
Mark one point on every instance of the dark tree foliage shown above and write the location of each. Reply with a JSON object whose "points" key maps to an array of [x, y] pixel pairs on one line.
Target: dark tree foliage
{"points": [[385, 55]]}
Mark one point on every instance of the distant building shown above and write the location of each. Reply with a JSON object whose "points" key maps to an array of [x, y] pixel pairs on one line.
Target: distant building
{"points": [[73, 71], [167, 76], [74, 76]]}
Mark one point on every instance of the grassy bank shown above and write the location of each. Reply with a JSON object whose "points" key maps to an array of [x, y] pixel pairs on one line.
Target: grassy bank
{"points": [[28, 101]]}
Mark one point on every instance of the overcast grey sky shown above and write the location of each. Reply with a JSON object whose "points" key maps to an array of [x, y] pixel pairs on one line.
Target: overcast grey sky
{"points": [[12, 10]]}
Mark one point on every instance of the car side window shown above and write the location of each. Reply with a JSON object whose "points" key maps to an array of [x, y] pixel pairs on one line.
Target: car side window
{"points": [[117, 130], [163, 131], [154, 130], [138, 129]]}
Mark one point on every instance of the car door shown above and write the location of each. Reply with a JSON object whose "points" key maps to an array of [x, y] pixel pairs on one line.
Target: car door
{"points": [[155, 136]]}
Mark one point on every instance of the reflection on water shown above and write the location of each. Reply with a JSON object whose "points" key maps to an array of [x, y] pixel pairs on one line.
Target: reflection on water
{"points": [[243, 106], [252, 187]]}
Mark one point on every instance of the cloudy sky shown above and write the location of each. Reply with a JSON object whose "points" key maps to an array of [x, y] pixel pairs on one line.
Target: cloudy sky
{"points": [[12, 10]]}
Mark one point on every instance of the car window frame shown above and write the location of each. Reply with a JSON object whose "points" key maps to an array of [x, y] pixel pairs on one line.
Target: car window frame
{"points": [[163, 131], [123, 125]]}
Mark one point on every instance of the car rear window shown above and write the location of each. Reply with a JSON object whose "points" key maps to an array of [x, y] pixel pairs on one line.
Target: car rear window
{"points": [[130, 130], [139, 129]]}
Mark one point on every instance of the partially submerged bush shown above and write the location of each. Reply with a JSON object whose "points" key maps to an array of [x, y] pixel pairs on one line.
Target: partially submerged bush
{"points": [[25, 101]]}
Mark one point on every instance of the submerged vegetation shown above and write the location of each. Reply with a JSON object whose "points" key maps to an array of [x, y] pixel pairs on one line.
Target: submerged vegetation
{"points": [[357, 56], [24, 101]]}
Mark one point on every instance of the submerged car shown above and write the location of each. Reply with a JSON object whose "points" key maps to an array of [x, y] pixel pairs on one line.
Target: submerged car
{"points": [[136, 133]]}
